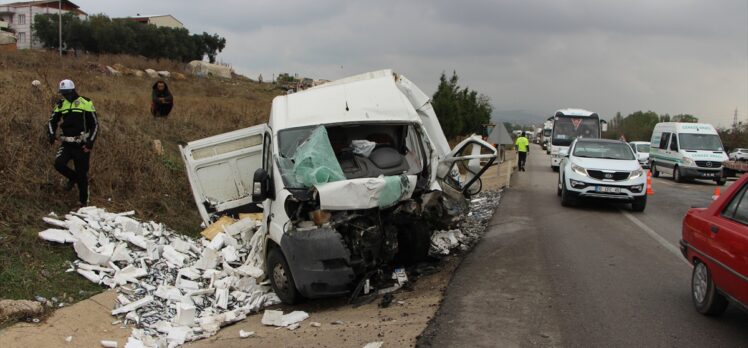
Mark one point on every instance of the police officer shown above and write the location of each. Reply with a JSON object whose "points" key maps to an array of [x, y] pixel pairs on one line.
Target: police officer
{"points": [[523, 146], [79, 129]]}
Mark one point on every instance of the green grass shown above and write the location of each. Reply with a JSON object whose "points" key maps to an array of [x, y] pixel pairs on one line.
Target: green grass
{"points": [[32, 267]]}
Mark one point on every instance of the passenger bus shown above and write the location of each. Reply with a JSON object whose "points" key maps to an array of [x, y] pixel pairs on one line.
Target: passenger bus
{"points": [[569, 124]]}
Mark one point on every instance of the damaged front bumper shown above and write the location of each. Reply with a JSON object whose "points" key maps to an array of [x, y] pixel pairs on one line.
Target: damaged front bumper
{"points": [[319, 261]]}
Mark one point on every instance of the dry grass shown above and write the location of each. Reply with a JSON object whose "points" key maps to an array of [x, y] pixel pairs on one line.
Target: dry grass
{"points": [[125, 173]]}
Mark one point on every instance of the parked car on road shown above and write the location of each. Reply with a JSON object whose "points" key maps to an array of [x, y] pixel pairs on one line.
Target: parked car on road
{"points": [[715, 241], [601, 168], [641, 150], [739, 154]]}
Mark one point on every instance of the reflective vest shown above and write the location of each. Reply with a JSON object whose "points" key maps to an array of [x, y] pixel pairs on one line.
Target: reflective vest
{"points": [[522, 144]]}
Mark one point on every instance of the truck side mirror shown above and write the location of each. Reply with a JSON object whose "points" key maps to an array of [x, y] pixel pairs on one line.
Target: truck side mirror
{"points": [[563, 153], [260, 185]]}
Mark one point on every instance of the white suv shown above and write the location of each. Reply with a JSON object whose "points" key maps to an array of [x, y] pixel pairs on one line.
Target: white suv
{"points": [[599, 168]]}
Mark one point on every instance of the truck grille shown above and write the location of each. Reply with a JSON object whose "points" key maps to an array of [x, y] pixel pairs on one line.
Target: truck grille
{"points": [[709, 164], [615, 176]]}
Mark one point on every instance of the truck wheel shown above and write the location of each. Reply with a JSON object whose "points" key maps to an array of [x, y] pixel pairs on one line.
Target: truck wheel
{"points": [[555, 168], [655, 173], [720, 181], [705, 297], [281, 278], [639, 204], [676, 175], [558, 187], [567, 198]]}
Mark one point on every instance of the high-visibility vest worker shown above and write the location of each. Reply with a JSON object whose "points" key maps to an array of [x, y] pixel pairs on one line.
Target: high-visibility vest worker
{"points": [[523, 146]]}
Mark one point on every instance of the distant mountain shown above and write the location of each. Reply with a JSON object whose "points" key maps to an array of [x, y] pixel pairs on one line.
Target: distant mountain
{"points": [[522, 117]]}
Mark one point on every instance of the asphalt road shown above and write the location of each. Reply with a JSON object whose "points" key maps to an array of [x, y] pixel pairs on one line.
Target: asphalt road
{"points": [[595, 275]]}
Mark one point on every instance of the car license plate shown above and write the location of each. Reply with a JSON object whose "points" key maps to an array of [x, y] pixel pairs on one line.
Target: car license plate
{"points": [[709, 174], [605, 189]]}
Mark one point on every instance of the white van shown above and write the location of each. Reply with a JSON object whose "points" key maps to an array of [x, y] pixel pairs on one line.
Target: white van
{"points": [[350, 176], [687, 151]]}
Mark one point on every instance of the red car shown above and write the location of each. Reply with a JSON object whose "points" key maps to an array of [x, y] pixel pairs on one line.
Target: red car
{"points": [[715, 241]]}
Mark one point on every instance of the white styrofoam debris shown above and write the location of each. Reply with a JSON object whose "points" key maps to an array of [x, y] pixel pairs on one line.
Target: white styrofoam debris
{"points": [[57, 235], [109, 344], [90, 275], [133, 306], [69, 339], [377, 344], [315, 324], [172, 288], [185, 314], [277, 318], [294, 326], [272, 318], [245, 334]]}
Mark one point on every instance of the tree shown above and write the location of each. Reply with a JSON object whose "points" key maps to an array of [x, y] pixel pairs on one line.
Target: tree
{"points": [[100, 34], [685, 118], [460, 110]]}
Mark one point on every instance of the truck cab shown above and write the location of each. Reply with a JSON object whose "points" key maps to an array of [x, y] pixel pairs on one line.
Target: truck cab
{"points": [[350, 176]]}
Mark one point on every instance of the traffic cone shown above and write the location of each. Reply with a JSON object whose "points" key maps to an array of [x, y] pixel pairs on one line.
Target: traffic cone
{"points": [[716, 194], [649, 184]]}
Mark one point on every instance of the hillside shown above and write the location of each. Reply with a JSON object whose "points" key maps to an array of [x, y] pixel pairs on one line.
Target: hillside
{"points": [[126, 174]]}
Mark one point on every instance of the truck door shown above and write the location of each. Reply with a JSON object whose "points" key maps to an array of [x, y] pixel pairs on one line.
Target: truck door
{"points": [[463, 166], [221, 170]]}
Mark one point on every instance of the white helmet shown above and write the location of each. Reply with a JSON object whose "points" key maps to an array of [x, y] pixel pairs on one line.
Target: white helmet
{"points": [[66, 84]]}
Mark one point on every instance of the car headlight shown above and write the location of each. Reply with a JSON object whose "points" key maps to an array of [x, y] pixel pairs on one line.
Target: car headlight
{"points": [[687, 161], [637, 173], [579, 170]]}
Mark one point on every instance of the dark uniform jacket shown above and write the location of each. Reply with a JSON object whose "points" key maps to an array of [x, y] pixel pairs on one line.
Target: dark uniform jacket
{"points": [[78, 121]]}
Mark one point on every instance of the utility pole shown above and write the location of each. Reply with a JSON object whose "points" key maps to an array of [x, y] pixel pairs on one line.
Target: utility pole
{"points": [[735, 120], [59, 22]]}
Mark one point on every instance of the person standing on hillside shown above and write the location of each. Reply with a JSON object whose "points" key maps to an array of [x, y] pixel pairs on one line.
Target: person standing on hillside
{"points": [[161, 99], [523, 147], [79, 128]]}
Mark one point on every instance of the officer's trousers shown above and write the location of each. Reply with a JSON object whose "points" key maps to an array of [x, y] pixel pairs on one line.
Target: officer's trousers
{"points": [[74, 151]]}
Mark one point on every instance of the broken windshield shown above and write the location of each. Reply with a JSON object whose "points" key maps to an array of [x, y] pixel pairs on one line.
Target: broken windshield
{"points": [[360, 150]]}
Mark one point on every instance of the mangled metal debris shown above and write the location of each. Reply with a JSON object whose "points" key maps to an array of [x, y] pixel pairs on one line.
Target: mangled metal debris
{"points": [[172, 288], [470, 229]]}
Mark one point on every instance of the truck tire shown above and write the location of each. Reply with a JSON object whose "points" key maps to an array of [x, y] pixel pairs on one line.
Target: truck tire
{"points": [[706, 298], [281, 279], [555, 168], [721, 181], [639, 204], [558, 187], [676, 175], [414, 241], [655, 173]]}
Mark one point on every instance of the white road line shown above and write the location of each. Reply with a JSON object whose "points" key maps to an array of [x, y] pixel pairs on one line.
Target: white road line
{"points": [[667, 245]]}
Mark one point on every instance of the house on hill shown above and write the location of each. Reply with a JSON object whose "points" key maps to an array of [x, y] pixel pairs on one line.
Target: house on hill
{"points": [[157, 20], [18, 18]]}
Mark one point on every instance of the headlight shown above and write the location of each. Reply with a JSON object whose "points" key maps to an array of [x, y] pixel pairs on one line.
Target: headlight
{"points": [[579, 170], [637, 173], [687, 161]]}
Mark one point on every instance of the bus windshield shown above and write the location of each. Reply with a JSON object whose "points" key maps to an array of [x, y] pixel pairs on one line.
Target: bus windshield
{"points": [[705, 142], [566, 129]]}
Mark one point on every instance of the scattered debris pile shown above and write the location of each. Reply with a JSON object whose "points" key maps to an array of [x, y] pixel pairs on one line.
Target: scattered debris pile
{"points": [[470, 229], [173, 288]]}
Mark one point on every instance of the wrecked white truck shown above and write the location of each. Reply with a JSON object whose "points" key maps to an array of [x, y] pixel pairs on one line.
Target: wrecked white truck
{"points": [[351, 177]]}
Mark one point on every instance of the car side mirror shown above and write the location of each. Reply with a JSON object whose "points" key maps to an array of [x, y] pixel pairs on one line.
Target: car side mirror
{"points": [[260, 185], [563, 153]]}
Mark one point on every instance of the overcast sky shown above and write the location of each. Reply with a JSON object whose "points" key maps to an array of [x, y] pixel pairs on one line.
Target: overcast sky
{"points": [[668, 56]]}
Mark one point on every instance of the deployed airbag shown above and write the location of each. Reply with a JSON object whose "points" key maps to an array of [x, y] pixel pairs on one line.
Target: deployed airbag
{"points": [[366, 193], [314, 162]]}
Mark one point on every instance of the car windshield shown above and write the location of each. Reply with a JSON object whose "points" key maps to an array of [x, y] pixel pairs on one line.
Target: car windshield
{"points": [[642, 148], [704, 142], [566, 129], [546, 132], [606, 150]]}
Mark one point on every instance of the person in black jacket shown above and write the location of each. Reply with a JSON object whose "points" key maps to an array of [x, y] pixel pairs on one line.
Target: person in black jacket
{"points": [[162, 100], [79, 128]]}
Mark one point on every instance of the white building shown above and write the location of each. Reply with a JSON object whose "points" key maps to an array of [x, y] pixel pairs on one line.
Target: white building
{"points": [[19, 17], [157, 20]]}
